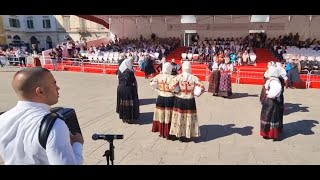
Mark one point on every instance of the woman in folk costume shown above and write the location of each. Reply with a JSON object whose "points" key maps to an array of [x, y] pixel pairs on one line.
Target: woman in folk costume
{"points": [[184, 123], [220, 57], [164, 106], [263, 94], [214, 78], [282, 78], [225, 87], [270, 112], [127, 93]]}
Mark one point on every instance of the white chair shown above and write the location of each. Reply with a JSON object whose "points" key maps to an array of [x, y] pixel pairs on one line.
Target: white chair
{"points": [[184, 56], [189, 56], [100, 58], [252, 57], [311, 58], [195, 57], [110, 57]]}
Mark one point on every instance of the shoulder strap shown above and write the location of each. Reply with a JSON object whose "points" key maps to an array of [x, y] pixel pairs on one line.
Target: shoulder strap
{"points": [[45, 128]]}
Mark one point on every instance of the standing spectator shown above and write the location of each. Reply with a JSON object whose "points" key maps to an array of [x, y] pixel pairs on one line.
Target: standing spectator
{"points": [[53, 56]]}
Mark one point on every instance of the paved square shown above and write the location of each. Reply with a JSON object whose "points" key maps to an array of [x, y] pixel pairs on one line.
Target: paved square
{"points": [[229, 127]]}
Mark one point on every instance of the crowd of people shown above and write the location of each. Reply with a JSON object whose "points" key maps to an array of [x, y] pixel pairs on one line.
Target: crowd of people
{"points": [[238, 51], [175, 115]]}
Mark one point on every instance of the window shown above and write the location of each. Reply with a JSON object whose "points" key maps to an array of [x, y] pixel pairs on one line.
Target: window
{"points": [[30, 24], [46, 23], [14, 23], [260, 18]]}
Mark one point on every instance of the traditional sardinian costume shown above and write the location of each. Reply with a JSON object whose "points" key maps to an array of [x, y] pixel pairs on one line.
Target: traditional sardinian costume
{"points": [[225, 87], [127, 93], [184, 121], [270, 112], [214, 78], [164, 106]]}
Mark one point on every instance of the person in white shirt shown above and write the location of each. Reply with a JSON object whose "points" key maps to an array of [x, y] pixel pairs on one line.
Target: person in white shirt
{"points": [[37, 90], [270, 112]]}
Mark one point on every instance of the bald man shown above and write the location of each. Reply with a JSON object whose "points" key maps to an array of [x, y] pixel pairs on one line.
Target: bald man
{"points": [[37, 90]]}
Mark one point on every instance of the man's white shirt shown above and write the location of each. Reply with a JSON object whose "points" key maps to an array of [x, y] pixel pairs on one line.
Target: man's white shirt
{"points": [[19, 142]]}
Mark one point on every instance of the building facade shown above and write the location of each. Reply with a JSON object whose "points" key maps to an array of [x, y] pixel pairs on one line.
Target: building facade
{"points": [[46, 31]]}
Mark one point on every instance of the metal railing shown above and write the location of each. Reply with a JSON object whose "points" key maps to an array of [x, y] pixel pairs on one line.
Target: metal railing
{"points": [[86, 65]]}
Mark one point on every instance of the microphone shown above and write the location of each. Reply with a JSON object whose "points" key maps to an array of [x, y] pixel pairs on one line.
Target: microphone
{"points": [[106, 136]]}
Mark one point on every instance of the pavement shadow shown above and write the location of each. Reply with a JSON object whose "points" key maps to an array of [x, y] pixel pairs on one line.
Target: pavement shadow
{"points": [[145, 118], [147, 101], [292, 108], [211, 132], [242, 95], [303, 127]]}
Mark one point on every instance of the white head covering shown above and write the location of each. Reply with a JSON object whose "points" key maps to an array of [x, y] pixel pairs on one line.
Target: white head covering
{"points": [[273, 72], [186, 67], [166, 68], [186, 70], [126, 64], [163, 60], [282, 71], [271, 63]]}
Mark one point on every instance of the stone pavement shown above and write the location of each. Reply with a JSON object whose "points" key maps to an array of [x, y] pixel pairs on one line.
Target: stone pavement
{"points": [[229, 127]]}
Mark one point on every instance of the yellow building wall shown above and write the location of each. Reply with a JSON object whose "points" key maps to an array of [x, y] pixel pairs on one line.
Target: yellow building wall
{"points": [[2, 34]]}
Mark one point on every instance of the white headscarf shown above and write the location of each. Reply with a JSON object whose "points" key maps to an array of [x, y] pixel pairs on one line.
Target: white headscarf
{"points": [[270, 64], [163, 60], [186, 70], [167, 68], [126, 64], [273, 72], [282, 71]]}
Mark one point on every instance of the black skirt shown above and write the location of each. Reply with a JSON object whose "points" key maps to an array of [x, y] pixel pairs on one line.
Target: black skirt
{"points": [[270, 118], [127, 103]]}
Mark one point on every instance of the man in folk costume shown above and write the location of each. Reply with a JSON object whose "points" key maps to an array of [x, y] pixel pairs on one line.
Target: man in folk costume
{"points": [[214, 78], [164, 106], [184, 123], [270, 112], [226, 70], [283, 78], [127, 93]]}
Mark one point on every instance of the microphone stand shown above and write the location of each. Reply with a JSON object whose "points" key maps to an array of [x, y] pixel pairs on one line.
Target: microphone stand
{"points": [[109, 154]]}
